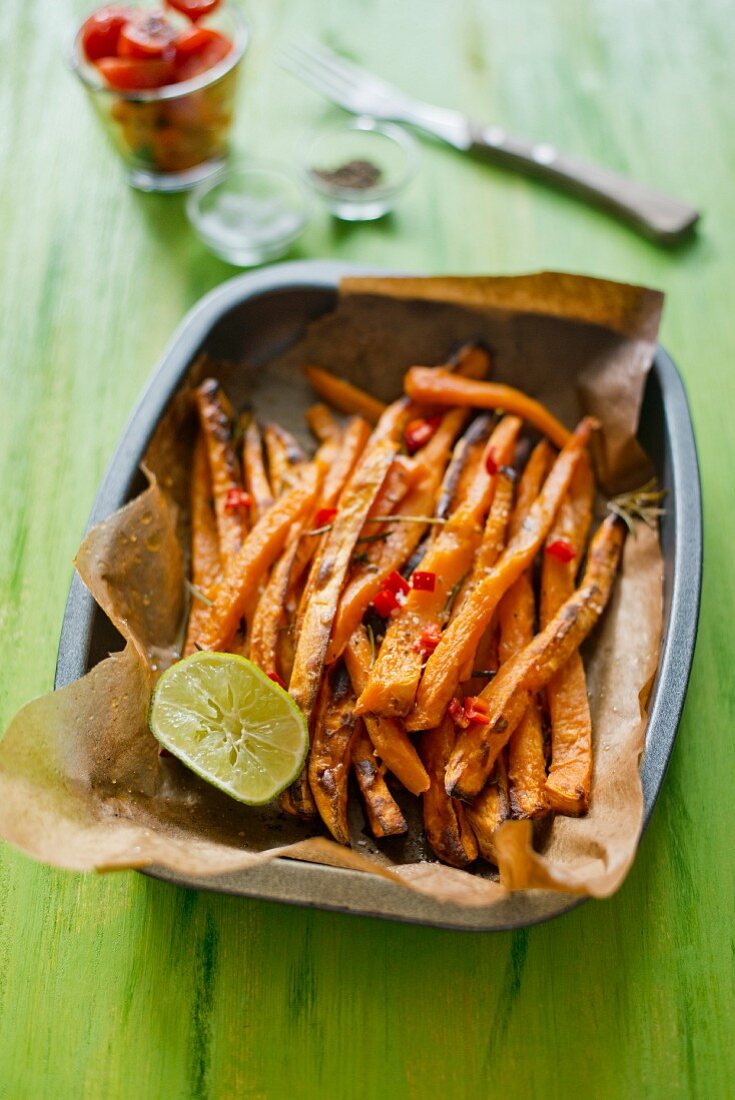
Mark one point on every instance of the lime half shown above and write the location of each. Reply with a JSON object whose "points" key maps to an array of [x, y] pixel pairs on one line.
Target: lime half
{"points": [[232, 725]]}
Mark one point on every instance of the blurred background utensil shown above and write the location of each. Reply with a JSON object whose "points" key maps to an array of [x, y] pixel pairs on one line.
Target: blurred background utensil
{"points": [[659, 216]]}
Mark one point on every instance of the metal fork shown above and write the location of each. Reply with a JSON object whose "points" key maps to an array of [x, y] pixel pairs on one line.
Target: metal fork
{"points": [[659, 216]]}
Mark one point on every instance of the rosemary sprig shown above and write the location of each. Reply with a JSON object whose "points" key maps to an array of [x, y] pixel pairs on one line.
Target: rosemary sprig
{"points": [[374, 538], [452, 596], [641, 504], [408, 519], [198, 594], [371, 639], [317, 530]]}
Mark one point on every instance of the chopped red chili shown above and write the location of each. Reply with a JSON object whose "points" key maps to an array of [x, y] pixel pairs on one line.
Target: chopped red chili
{"points": [[276, 679], [397, 584], [385, 602], [428, 641], [324, 517], [423, 580], [561, 549], [457, 714], [491, 464], [236, 499], [476, 710], [418, 432]]}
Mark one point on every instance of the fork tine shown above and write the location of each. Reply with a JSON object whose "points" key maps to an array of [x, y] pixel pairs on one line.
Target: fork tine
{"points": [[357, 77], [304, 67]]}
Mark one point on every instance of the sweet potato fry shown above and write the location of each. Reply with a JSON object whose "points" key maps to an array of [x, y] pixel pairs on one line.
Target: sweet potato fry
{"points": [[382, 811], [445, 821], [490, 809], [394, 679], [471, 361], [435, 386], [269, 615], [462, 468], [205, 561], [261, 548], [329, 571], [570, 772], [459, 641], [390, 740], [215, 417], [531, 669], [331, 752], [321, 422], [402, 476], [285, 455], [343, 395], [256, 479], [391, 546]]}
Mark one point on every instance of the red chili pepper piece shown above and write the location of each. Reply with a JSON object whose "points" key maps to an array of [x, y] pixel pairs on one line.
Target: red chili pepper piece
{"points": [[428, 641], [476, 710], [424, 580], [397, 584], [236, 499], [418, 432], [457, 714], [491, 464], [324, 517], [276, 679], [385, 602], [561, 549]]}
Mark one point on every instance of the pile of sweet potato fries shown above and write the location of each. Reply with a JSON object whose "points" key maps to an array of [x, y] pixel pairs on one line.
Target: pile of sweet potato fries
{"points": [[416, 585]]}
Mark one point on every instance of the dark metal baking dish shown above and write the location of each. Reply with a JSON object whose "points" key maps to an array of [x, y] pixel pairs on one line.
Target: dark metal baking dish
{"points": [[256, 316]]}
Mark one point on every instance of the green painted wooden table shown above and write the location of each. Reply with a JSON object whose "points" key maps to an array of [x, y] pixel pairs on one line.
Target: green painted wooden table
{"points": [[120, 986]]}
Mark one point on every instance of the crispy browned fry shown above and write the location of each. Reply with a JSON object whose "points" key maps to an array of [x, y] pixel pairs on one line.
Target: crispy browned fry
{"points": [[331, 752], [285, 455], [462, 467], [531, 669], [215, 417], [445, 823], [402, 476], [490, 809], [435, 386], [471, 361], [256, 479], [570, 773], [321, 422], [382, 811], [517, 622], [329, 571], [394, 679], [260, 549], [343, 395], [205, 562], [459, 641], [389, 738], [270, 613], [390, 546]]}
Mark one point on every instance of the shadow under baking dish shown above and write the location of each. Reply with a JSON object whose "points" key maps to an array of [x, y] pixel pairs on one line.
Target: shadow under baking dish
{"points": [[256, 317]]}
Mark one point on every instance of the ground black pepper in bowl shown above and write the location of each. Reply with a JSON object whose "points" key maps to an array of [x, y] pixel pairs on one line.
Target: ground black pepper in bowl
{"points": [[353, 175]]}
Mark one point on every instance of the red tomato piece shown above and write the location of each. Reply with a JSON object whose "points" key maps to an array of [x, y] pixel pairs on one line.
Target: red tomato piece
{"points": [[128, 74], [194, 9], [147, 36], [193, 41], [215, 50], [100, 33]]}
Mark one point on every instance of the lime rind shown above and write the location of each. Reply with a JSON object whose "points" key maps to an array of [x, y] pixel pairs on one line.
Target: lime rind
{"points": [[230, 724]]}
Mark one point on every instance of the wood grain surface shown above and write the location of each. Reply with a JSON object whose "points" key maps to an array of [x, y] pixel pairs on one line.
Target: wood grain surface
{"points": [[121, 987]]}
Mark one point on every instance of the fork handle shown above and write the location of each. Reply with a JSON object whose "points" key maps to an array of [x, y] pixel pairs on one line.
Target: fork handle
{"points": [[659, 216]]}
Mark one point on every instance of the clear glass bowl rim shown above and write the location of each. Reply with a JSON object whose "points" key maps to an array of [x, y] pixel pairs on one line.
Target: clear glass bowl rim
{"points": [[242, 35], [202, 189], [397, 134]]}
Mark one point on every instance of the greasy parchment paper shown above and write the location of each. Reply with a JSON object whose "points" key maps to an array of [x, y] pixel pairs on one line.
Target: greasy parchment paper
{"points": [[81, 783]]}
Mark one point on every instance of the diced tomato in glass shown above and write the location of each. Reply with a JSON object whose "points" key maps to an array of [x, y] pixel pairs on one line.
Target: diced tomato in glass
{"points": [[194, 9], [424, 580], [397, 584], [418, 432], [276, 679], [215, 50], [100, 33], [324, 517], [193, 41], [129, 74], [561, 549], [385, 602], [147, 36]]}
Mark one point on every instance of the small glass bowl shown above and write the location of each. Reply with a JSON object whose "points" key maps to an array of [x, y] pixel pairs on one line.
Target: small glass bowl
{"points": [[249, 216], [378, 145], [173, 137]]}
